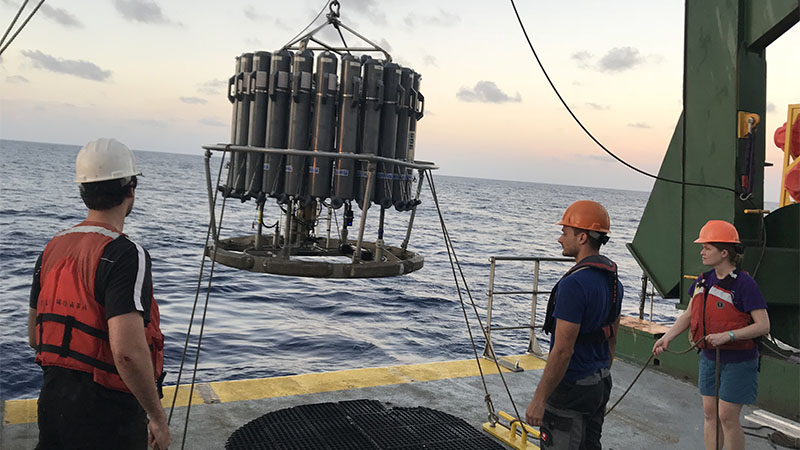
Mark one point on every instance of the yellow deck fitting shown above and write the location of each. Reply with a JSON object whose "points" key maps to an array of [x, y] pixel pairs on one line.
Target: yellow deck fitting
{"points": [[746, 122], [509, 436], [756, 211]]}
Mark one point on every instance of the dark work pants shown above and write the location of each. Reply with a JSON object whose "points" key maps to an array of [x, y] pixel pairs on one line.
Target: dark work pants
{"points": [[77, 413], [573, 416]]}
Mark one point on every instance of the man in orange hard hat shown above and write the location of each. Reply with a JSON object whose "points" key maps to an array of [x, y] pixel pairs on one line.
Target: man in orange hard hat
{"points": [[582, 319], [94, 322]]}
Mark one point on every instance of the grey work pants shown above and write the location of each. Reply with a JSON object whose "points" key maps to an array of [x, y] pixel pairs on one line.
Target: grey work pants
{"points": [[573, 416]]}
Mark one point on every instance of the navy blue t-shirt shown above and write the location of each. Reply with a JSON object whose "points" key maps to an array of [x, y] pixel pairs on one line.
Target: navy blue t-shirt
{"points": [[584, 297]]}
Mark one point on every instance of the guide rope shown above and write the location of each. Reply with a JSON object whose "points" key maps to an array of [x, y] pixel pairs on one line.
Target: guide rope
{"points": [[194, 308], [454, 262], [608, 411], [588, 133], [21, 27]]}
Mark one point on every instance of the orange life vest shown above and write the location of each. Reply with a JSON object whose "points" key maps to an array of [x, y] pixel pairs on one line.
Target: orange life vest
{"points": [[713, 311], [71, 326]]}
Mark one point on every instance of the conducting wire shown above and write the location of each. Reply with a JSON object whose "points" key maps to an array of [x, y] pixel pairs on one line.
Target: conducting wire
{"points": [[588, 133]]}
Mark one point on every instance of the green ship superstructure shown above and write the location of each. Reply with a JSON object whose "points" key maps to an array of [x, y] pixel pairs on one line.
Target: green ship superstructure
{"points": [[717, 155]]}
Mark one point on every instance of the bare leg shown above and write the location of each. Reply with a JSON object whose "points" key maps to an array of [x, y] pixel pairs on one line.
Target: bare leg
{"points": [[709, 419], [729, 417]]}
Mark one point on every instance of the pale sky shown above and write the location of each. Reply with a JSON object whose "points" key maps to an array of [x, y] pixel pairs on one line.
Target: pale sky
{"points": [[151, 73]]}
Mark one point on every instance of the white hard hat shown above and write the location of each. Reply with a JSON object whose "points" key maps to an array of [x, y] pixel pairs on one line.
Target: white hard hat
{"points": [[104, 159]]}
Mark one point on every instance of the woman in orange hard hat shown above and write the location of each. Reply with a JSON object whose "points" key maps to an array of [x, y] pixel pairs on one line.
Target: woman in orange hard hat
{"points": [[726, 313]]}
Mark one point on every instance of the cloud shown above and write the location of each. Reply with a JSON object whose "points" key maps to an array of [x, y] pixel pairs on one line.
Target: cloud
{"points": [[442, 19], [639, 125], [486, 92], [429, 60], [368, 8], [384, 44], [145, 11], [78, 68], [583, 58], [193, 100], [212, 87], [250, 12], [597, 107], [619, 59], [150, 122], [253, 42], [16, 79], [598, 158], [212, 122], [61, 16]]}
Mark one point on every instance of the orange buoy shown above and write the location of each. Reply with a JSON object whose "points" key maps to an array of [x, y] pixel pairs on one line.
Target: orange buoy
{"points": [[780, 138]]}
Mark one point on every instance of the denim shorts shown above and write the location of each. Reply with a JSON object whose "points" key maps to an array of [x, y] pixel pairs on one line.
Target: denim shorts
{"points": [[738, 382]]}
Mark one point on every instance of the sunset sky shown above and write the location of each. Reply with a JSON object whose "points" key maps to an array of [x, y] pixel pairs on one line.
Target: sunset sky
{"points": [[152, 74]]}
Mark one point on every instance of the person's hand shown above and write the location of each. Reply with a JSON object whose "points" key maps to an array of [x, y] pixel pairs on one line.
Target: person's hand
{"points": [[717, 339], [534, 413], [660, 345], [159, 434]]}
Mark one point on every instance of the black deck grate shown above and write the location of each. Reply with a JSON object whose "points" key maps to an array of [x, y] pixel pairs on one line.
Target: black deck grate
{"points": [[358, 425]]}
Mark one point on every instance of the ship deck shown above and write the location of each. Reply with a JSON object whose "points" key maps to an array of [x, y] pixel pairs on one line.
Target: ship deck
{"points": [[659, 410]]}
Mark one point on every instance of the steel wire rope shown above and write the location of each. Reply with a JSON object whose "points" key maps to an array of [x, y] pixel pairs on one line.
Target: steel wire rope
{"points": [[21, 27], [310, 23], [451, 254], [13, 21], [588, 133], [205, 310], [196, 297]]}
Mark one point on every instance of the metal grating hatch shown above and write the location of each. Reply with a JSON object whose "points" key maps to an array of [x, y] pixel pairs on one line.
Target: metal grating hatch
{"points": [[358, 425]]}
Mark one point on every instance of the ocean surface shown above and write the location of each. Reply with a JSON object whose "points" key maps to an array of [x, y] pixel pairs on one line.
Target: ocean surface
{"points": [[262, 325]]}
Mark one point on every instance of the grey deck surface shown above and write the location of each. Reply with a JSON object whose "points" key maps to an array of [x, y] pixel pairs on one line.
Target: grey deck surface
{"points": [[659, 412]]}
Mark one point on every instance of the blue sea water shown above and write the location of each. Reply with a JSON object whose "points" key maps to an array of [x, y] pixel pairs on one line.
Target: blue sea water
{"points": [[262, 325]]}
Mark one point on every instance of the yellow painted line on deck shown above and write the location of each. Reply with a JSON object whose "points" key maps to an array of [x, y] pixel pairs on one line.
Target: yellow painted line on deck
{"points": [[24, 411], [312, 383]]}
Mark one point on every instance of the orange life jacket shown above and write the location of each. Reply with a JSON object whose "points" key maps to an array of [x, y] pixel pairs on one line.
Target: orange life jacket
{"points": [[713, 311], [71, 326]]}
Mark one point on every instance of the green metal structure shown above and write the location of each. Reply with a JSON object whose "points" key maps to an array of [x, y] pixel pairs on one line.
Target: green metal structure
{"points": [[725, 74]]}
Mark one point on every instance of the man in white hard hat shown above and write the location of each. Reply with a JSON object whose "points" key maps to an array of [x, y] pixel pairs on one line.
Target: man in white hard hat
{"points": [[94, 322]]}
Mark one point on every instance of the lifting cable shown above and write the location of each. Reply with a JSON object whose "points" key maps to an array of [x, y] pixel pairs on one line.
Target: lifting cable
{"points": [[451, 254], [194, 307], [588, 133], [327, 3], [13, 21]]}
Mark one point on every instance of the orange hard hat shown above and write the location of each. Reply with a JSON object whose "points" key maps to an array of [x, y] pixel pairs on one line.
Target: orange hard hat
{"points": [[586, 215], [718, 231]]}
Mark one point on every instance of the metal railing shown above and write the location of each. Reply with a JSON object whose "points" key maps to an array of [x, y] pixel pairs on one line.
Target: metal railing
{"points": [[533, 344]]}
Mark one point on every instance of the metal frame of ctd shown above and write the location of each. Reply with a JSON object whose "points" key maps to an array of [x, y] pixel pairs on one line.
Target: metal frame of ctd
{"points": [[371, 159]]}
